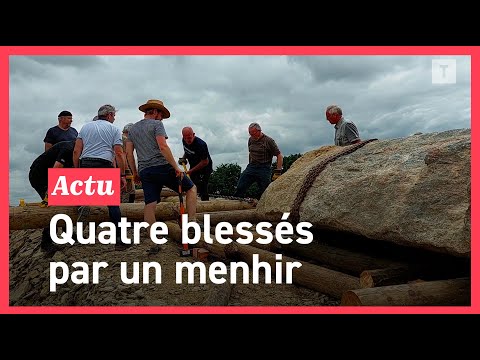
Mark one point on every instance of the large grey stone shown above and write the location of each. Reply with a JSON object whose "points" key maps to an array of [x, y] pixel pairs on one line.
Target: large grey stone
{"points": [[413, 191]]}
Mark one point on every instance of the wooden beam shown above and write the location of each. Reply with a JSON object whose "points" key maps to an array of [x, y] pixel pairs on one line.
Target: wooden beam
{"points": [[314, 277], [272, 246], [338, 258], [166, 192], [427, 293], [385, 277], [175, 233], [219, 294], [31, 217], [379, 270], [231, 216]]}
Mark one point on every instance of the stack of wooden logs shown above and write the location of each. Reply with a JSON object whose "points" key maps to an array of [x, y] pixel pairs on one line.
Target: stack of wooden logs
{"points": [[357, 278]]}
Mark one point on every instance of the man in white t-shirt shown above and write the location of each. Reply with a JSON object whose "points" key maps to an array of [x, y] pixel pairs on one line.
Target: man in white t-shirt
{"points": [[98, 143]]}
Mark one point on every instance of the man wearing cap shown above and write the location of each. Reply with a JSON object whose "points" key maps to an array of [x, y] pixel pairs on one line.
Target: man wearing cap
{"points": [[62, 132], [198, 156], [346, 132], [156, 165], [261, 150], [98, 144]]}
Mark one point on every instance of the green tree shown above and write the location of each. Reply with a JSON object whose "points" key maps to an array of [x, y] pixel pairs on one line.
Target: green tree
{"points": [[287, 162], [224, 179], [253, 192]]}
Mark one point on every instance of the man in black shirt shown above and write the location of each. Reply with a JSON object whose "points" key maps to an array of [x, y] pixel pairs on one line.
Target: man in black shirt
{"points": [[61, 132], [196, 152], [58, 156]]}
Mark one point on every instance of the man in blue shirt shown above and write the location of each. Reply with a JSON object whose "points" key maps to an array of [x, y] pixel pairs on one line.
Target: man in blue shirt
{"points": [[62, 132]]}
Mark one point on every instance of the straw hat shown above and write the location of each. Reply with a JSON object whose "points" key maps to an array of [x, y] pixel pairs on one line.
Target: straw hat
{"points": [[155, 104]]}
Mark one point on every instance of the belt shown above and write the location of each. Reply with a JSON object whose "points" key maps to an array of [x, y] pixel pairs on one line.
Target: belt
{"points": [[96, 159], [267, 165]]}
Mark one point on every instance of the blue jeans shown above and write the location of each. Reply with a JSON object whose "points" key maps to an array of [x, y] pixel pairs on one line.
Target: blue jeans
{"points": [[260, 174], [155, 177], [201, 182], [113, 211]]}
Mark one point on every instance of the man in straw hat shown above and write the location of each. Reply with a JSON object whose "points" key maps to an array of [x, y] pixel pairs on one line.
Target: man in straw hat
{"points": [[156, 168]]}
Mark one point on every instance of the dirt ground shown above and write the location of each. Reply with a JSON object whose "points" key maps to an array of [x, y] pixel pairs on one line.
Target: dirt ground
{"points": [[30, 278]]}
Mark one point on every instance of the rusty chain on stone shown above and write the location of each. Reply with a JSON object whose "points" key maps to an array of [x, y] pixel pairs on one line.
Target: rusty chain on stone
{"points": [[312, 175]]}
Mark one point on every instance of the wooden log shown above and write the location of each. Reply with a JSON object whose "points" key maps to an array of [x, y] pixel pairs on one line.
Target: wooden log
{"points": [[428, 293], [384, 271], [219, 294], [166, 192], [314, 277], [272, 246], [175, 233], [30, 217], [340, 259], [217, 250], [222, 205], [231, 216], [385, 277], [32, 204]]}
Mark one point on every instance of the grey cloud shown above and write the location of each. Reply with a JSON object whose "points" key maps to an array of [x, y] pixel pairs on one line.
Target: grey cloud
{"points": [[386, 96], [68, 61]]}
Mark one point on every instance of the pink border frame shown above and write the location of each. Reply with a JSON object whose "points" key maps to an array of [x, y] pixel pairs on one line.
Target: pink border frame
{"points": [[5, 52]]}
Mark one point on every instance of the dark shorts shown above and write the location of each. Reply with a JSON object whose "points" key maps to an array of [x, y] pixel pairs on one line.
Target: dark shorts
{"points": [[154, 178]]}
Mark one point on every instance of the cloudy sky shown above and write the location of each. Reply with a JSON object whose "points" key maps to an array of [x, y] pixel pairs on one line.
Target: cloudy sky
{"points": [[386, 96]]}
